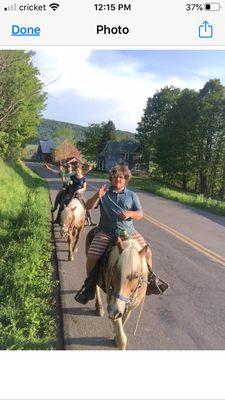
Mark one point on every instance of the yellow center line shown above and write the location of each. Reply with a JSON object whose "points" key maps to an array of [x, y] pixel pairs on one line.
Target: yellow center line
{"points": [[209, 253]]}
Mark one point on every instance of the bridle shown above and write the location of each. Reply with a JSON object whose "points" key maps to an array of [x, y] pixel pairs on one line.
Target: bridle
{"points": [[131, 298]]}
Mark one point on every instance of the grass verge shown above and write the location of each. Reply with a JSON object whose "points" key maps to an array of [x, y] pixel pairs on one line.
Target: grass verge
{"points": [[27, 316], [163, 190]]}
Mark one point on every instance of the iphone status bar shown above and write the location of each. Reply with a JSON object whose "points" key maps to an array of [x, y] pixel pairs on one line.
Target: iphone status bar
{"points": [[134, 22]]}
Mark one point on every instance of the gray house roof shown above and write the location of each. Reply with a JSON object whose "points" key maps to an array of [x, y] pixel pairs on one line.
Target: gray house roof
{"points": [[46, 146], [125, 146]]}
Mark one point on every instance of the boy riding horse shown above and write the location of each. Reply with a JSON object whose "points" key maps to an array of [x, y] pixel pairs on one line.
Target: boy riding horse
{"points": [[119, 207]]}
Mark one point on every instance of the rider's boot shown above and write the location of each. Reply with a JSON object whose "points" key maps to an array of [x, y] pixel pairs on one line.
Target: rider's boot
{"points": [[57, 220], [88, 290], [155, 284]]}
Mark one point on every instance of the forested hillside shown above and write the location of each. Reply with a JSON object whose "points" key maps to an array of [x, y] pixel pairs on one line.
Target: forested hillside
{"points": [[48, 127]]}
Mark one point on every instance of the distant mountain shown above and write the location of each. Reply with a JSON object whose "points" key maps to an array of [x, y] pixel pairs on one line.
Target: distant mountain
{"points": [[48, 127]]}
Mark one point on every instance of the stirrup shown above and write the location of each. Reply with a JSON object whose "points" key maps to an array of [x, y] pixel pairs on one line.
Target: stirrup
{"points": [[156, 285]]}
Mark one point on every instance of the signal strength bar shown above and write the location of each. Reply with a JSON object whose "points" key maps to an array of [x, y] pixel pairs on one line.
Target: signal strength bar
{"points": [[12, 7]]}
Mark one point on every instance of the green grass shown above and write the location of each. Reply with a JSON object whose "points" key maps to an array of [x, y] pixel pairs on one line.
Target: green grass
{"points": [[27, 310], [163, 190]]}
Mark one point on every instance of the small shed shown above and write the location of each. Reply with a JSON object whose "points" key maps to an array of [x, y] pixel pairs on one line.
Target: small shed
{"points": [[44, 151]]}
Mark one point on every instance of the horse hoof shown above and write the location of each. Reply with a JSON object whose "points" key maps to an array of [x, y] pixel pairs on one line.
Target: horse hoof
{"points": [[70, 258], [120, 346], [99, 311]]}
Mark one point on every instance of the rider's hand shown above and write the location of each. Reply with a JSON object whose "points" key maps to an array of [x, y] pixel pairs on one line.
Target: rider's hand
{"points": [[124, 215], [103, 189]]}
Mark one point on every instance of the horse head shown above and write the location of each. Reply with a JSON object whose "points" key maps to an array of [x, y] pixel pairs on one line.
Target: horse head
{"points": [[127, 274]]}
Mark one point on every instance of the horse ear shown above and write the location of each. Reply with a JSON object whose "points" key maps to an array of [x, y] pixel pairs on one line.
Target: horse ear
{"points": [[143, 251], [120, 245]]}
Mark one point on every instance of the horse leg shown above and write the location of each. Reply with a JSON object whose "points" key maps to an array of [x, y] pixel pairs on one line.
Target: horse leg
{"points": [[98, 303], [70, 245], [125, 317], [77, 237], [120, 338]]}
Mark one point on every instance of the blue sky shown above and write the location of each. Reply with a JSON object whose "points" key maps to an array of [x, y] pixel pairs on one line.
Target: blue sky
{"points": [[98, 85]]}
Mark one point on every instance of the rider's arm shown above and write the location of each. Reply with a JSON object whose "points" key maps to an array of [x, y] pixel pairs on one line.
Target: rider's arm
{"points": [[94, 200], [51, 169], [135, 212], [132, 214]]}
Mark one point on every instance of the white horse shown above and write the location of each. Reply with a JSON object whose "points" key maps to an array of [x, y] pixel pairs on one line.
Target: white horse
{"points": [[72, 224], [125, 277]]}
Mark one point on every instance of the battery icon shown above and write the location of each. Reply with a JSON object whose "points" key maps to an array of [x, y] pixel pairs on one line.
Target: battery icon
{"points": [[212, 6]]}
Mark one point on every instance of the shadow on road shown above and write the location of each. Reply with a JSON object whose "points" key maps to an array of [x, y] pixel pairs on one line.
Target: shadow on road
{"points": [[91, 342], [79, 311]]}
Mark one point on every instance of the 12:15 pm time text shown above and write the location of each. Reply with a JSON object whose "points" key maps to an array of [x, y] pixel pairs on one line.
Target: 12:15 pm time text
{"points": [[112, 7]]}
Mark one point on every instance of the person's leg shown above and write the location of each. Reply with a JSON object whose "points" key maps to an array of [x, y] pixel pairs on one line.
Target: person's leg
{"points": [[88, 212], [89, 219], [58, 199], [65, 200], [98, 246]]}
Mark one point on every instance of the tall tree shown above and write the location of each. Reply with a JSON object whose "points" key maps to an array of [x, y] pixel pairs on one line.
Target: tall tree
{"points": [[21, 99], [109, 133], [211, 139], [154, 120], [176, 144], [92, 144]]}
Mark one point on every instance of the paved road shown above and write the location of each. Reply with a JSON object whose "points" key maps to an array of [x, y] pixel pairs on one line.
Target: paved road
{"points": [[191, 315]]}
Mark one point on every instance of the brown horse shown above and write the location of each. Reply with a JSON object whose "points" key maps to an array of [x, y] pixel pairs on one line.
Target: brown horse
{"points": [[72, 224], [125, 278]]}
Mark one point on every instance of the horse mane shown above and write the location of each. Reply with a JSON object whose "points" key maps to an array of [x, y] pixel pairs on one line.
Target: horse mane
{"points": [[129, 259]]}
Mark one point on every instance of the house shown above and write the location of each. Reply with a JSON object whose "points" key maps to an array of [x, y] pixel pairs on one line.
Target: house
{"points": [[124, 152], [44, 151], [51, 151]]}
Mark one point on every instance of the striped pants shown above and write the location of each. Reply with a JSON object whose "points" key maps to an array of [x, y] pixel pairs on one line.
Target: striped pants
{"points": [[102, 241]]}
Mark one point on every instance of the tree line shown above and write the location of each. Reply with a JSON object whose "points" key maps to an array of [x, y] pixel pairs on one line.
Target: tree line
{"points": [[21, 100], [182, 137]]}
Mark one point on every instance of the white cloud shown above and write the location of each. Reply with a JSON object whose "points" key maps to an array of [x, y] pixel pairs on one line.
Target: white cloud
{"points": [[211, 72], [124, 84]]}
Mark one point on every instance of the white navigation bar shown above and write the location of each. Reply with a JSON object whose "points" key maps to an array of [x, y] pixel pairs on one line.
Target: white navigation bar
{"points": [[125, 23]]}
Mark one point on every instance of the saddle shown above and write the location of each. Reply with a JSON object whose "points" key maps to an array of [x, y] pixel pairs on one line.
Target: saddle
{"points": [[87, 292]]}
